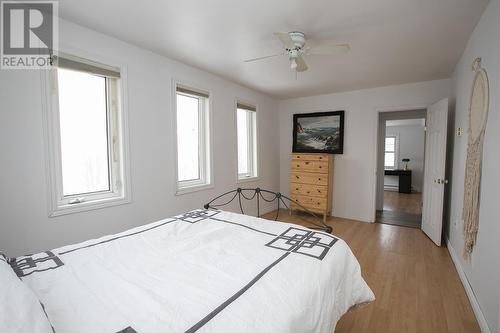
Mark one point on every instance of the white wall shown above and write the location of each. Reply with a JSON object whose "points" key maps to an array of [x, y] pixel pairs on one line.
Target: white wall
{"points": [[355, 177], [24, 225], [483, 272], [411, 145]]}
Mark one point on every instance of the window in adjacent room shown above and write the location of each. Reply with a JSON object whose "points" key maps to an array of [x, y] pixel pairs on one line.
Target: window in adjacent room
{"points": [[390, 152], [192, 128], [86, 131], [246, 120]]}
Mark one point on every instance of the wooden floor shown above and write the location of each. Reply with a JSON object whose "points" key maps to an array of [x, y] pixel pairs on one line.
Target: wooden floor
{"points": [[403, 202], [415, 282], [403, 209], [398, 218]]}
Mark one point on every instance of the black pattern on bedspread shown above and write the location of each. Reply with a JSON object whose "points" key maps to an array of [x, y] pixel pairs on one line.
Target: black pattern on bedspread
{"points": [[309, 243], [197, 215], [41, 262]]}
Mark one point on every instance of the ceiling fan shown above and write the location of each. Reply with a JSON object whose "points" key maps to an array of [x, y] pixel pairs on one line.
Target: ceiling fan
{"points": [[295, 49]]}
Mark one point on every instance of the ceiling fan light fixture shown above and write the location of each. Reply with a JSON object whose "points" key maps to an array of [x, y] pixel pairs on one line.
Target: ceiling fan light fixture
{"points": [[295, 49]]}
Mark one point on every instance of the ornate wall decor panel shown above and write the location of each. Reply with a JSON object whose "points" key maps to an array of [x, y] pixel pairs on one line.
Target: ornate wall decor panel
{"points": [[478, 115]]}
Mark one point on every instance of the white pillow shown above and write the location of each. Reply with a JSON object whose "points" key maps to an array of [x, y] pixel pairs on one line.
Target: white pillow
{"points": [[20, 310]]}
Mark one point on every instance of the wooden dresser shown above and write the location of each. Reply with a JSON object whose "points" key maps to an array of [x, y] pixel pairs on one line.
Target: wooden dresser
{"points": [[311, 182]]}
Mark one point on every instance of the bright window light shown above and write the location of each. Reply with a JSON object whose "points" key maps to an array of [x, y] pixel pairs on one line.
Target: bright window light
{"points": [[243, 165], [247, 143], [390, 152], [85, 124], [193, 151], [83, 129], [188, 138]]}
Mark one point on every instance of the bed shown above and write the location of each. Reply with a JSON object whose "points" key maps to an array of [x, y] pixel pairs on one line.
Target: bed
{"points": [[206, 270]]}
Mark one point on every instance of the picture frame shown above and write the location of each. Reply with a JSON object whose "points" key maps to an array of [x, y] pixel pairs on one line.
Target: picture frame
{"points": [[319, 132]]}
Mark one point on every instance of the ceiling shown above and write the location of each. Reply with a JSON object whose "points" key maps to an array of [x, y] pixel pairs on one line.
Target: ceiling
{"points": [[392, 41]]}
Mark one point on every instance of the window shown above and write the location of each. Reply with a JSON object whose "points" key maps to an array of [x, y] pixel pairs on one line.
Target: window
{"points": [[192, 126], [86, 136], [246, 128], [390, 152]]}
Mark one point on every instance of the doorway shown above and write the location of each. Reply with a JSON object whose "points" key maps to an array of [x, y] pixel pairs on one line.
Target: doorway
{"points": [[401, 155]]}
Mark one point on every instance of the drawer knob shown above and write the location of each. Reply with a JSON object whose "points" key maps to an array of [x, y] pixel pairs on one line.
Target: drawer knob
{"points": [[307, 163]]}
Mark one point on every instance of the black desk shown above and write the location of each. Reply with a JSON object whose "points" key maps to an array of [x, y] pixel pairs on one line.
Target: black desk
{"points": [[404, 179]]}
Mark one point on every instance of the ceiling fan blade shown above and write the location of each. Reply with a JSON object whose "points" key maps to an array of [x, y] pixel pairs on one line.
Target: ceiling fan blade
{"points": [[301, 64], [285, 39], [328, 49], [265, 57]]}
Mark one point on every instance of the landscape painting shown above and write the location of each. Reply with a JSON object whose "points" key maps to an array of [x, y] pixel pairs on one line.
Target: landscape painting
{"points": [[320, 132]]}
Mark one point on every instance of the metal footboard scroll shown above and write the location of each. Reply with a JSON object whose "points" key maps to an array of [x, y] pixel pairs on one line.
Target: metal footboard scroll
{"points": [[258, 194]]}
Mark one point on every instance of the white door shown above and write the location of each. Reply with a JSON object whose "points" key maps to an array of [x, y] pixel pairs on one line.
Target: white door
{"points": [[434, 170]]}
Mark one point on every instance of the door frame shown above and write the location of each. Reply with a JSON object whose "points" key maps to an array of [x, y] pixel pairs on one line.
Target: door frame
{"points": [[387, 113]]}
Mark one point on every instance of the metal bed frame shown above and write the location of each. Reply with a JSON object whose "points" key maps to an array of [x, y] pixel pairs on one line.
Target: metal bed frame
{"points": [[258, 194]]}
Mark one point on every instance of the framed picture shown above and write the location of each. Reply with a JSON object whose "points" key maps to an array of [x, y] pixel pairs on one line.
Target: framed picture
{"points": [[319, 132]]}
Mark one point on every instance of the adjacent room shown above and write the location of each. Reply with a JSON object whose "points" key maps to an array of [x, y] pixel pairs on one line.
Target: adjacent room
{"points": [[253, 166], [402, 150]]}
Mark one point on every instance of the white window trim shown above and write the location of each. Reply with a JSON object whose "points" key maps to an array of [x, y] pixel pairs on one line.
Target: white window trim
{"points": [[207, 176], [396, 151], [50, 113], [255, 155]]}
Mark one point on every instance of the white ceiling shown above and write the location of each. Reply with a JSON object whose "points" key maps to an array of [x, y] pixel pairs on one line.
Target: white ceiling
{"points": [[393, 41]]}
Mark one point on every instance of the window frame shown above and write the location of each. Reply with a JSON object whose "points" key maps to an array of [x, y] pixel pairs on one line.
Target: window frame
{"points": [[252, 139], [396, 151], [205, 139], [117, 143]]}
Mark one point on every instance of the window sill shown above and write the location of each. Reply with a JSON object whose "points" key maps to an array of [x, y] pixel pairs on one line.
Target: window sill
{"points": [[247, 179], [87, 206], [194, 188]]}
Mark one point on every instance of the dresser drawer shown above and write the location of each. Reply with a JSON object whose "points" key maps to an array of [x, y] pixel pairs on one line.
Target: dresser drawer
{"points": [[309, 157], [309, 178], [320, 191], [310, 166], [312, 203]]}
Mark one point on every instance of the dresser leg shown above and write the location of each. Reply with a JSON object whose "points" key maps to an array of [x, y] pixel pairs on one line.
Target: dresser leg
{"points": [[324, 218]]}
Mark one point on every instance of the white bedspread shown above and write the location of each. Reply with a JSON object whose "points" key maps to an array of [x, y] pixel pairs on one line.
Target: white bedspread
{"points": [[206, 271]]}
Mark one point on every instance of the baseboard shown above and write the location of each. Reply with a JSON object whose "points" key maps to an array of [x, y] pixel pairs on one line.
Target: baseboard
{"points": [[389, 188], [483, 324]]}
